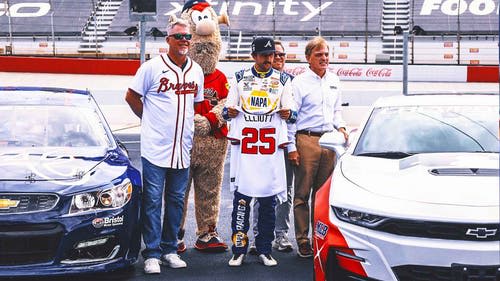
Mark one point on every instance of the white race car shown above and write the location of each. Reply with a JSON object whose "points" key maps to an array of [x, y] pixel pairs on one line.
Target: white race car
{"points": [[416, 194]]}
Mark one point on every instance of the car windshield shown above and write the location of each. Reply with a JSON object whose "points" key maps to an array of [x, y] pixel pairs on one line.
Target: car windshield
{"points": [[403, 131], [42, 126]]}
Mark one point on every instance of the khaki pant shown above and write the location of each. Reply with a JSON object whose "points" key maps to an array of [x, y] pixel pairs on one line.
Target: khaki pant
{"points": [[316, 165]]}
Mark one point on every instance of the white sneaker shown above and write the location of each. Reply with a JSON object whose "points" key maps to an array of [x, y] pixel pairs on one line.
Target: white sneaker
{"points": [[282, 244], [267, 260], [152, 266], [174, 261], [236, 260]]}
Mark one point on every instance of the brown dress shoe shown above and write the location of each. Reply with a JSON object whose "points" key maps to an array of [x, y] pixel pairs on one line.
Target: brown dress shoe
{"points": [[305, 250]]}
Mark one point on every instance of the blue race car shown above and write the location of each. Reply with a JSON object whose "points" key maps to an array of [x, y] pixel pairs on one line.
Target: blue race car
{"points": [[69, 196]]}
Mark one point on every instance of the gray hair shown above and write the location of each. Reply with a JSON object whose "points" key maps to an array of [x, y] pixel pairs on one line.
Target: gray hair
{"points": [[174, 21], [315, 42]]}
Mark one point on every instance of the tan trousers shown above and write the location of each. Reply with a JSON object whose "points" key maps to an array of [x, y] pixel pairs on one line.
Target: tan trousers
{"points": [[315, 166]]}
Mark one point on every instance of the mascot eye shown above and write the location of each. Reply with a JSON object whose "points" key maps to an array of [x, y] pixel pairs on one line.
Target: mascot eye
{"points": [[206, 14], [196, 17]]}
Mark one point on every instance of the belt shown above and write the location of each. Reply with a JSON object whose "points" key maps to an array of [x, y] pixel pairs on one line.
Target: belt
{"points": [[310, 133]]}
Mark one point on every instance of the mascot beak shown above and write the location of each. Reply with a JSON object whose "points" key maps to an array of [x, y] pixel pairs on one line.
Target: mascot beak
{"points": [[223, 19]]}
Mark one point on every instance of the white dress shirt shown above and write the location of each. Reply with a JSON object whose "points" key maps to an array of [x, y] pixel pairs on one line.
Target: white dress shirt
{"points": [[319, 104]]}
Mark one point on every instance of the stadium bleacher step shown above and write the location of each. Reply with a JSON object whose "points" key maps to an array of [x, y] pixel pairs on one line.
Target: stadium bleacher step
{"points": [[93, 39], [98, 24], [106, 13], [92, 28], [94, 33], [394, 13], [239, 46]]}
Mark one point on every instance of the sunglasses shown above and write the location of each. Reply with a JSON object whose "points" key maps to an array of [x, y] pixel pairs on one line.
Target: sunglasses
{"points": [[279, 54], [180, 36]]}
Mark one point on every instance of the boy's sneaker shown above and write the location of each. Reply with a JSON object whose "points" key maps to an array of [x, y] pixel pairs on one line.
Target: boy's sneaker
{"points": [[152, 266], [267, 260], [236, 260], [210, 242], [173, 261], [252, 250], [282, 244]]}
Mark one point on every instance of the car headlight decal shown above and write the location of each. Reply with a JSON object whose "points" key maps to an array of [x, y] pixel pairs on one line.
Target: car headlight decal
{"points": [[358, 218], [112, 198]]}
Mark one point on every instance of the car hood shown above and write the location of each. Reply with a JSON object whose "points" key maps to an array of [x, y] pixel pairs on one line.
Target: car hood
{"points": [[461, 179], [60, 174]]}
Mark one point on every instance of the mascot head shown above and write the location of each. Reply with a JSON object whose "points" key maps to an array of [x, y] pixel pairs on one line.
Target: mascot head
{"points": [[206, 43]]}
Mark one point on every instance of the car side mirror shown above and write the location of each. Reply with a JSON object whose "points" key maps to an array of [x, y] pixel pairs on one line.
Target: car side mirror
{"points": [[333, 141]]}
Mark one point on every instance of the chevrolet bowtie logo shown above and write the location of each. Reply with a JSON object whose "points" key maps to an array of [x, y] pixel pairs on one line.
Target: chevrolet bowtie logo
{"points": [[481, 232], [7, 204]]}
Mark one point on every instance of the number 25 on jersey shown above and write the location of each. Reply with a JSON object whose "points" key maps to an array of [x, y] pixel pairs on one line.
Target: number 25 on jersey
{"points": [[251, 136]]}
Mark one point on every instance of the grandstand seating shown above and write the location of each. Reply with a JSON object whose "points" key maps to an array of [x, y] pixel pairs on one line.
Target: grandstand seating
{"points": [[340, 17], [347, 24]]}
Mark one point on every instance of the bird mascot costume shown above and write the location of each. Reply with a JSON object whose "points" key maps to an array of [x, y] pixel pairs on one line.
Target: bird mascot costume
{"points": [[210, 143]]}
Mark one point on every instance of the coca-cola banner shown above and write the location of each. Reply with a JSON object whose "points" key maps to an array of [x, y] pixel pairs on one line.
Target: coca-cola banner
{"points": [[416, 73]]}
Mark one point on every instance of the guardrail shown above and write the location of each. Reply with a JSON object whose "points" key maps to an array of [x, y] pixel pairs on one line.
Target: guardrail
{"points": [[470, 50]]}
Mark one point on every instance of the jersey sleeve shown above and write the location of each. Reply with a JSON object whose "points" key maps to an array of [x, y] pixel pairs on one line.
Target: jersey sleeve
{"points": [[283, 139], [233, 95], [142, 79], [287, 100], [199, 94], [234, 134]]}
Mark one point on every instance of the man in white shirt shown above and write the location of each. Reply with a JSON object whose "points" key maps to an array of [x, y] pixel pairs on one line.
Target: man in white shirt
{"points": [[163, 93], [318, 98]]}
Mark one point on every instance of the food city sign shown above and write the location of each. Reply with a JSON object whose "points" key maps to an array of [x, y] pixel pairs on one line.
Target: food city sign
{"points": [[455, 7]]}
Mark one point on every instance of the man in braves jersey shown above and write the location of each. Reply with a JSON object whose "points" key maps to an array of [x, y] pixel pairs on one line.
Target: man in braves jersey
{"points": [[163, 94], [258, 133]]}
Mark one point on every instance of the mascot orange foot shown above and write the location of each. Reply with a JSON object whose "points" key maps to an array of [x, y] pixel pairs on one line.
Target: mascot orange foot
{"points": [[209, 143]]}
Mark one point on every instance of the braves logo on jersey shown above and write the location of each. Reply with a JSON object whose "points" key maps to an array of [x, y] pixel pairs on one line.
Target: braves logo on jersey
{"points": [[211, 96], [185, 88]]}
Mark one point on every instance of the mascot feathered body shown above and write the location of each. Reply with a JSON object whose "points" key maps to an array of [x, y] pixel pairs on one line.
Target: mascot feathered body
{"points": [[210, 143]]}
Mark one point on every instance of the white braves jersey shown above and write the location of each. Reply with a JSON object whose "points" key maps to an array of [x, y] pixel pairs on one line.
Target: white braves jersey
{"points": [[257, 165], [261, 93], [167, 124]]}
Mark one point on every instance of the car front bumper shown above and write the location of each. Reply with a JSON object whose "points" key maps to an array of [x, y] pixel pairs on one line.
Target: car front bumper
{"points": [[51, 244], [344, 251]]}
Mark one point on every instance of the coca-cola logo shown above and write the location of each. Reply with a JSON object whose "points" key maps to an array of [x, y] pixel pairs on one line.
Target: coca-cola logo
{"points": [[362, 72], [380, 72], [296, 70], [350, 72]]}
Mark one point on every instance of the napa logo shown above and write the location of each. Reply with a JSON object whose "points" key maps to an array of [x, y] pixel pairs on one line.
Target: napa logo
{"points": [[259, 102]]}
